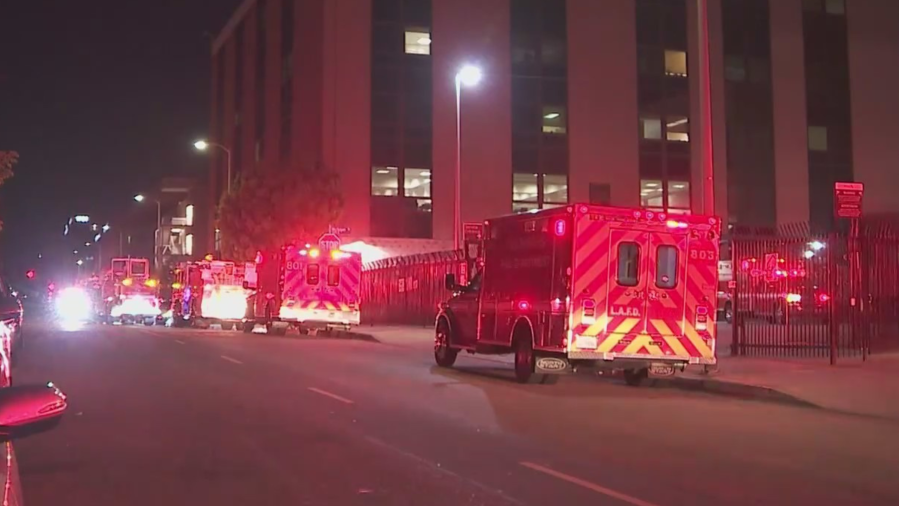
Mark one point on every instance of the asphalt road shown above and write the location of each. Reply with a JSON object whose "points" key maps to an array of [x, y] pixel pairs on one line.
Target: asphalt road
{"points": [[185, 417]]}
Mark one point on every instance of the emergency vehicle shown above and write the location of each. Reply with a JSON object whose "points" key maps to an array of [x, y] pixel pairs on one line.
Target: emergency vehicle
{"points": [[778, 287], [211, 291], [310, 287], [587, 287], [129, 294]]}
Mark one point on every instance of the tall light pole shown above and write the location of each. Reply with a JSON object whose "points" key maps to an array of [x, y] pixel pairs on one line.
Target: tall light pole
{"points": [[156, 241], [205, 145], [468, 75], [705, 93]]}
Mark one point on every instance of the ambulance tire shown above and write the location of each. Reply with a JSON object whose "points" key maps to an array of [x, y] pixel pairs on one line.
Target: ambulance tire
{"points": [[525, 361], [633, 377], [248, 327], [227, 325], [444, 355]]}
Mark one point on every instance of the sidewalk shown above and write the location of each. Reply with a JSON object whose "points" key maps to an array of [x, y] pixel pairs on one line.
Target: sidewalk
{"points": [[863, 388]]}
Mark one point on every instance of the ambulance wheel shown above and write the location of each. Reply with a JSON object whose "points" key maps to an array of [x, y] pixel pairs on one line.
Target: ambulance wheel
{"points": [[633, 377], [227, 325], [248, 327], [443, 354], [149, 322], [525, 362]]}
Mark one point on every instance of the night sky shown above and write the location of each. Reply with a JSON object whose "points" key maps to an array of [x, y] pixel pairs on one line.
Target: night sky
{"points": [[101, 99]]}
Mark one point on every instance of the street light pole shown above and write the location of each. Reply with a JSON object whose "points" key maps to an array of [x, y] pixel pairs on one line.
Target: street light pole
{"points": [[469, 76], [204, 145], [705, 87], [457, 195]]}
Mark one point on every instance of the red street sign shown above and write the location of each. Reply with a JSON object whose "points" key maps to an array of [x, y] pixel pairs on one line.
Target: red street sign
{"points": [[847, 199], [473, 231], [329, 241]]}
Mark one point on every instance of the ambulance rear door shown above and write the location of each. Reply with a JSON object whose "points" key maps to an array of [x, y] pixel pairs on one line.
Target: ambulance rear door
{"points": [[666, 292]]}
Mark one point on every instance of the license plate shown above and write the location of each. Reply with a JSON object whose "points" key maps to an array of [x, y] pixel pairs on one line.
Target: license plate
{"points": [[661, 370], [586, 342]]}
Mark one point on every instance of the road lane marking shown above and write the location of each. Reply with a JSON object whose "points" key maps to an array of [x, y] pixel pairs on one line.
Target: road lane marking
{"points": [[586, 484], [329, 394], [179, 341], [229, 359]]}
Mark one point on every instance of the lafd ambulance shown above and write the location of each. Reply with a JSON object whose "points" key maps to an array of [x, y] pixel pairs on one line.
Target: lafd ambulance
{"points": [[311, 287], [586, 286], [129, 293], [211, 291]]}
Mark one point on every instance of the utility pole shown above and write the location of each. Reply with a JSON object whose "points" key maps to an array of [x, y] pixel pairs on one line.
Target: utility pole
{"points": [[705, 94]]}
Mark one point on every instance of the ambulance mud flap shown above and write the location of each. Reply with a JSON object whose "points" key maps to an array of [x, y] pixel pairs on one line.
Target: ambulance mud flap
{"points": [[552, 365]]}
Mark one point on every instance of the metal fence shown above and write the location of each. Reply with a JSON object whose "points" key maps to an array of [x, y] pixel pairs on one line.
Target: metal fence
{"points": [[799, 294], [407, 290]]}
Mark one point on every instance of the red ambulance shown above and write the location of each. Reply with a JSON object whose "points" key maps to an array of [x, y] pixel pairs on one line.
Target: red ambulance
{"points": [[310, 287], [587, 287]]}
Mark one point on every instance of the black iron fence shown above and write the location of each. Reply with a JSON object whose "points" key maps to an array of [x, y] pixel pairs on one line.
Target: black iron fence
{"points": [[407, 290], [799, 294]]}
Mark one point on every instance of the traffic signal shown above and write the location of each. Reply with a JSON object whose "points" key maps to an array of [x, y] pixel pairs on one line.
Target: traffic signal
{"points": [[30, 274]]}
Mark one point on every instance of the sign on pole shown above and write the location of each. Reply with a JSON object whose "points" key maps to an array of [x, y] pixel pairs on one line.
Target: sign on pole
{"points": [[847, 199], [473, 231]]}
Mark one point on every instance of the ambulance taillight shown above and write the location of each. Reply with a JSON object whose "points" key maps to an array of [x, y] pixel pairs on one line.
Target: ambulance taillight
{"points": [[702, 318], [588, 308]]}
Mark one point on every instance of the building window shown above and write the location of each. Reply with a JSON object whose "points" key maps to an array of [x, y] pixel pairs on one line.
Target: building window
{"points": [[538, 191], [417, 183], [651, 194], [385, 181], [817, 138], [554, 119], [418, 41], [676, 63], [555, 189], [654, 194], [651, 128], [678, 129]]}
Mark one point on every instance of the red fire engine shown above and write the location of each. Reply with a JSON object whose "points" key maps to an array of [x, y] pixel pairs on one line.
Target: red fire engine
{"points": [[211, 291], [308, 286], [779, 287], [588, 287], [128, 292]]}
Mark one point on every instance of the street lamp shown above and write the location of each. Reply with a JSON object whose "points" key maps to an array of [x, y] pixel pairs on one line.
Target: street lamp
{"points": [[141, 198], [203, 145], [469, 75]]}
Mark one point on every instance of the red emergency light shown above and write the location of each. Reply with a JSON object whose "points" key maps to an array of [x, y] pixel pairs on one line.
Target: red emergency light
{"points": [[559, 228], [30, 274]]}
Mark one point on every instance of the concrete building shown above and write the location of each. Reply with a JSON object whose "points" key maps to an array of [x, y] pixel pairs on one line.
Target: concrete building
{"points": [[581, 100]]}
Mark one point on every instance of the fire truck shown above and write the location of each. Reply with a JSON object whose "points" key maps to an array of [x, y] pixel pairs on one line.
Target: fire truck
{"points": [[308, 286], [129, 294], [779, 287], [211, 291], [587, 287]]}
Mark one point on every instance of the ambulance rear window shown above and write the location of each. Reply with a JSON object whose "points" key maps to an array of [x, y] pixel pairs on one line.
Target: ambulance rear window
{"points": [[666, 267], [312, 274], [333, 275], [628, 264]]}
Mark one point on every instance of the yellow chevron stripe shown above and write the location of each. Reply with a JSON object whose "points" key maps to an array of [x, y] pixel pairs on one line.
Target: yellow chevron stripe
{"points": [[697, 341], [639, 342], [618, 334]]}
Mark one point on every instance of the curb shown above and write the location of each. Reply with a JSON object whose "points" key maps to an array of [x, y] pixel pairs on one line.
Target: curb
{"points": [[733, 389]]}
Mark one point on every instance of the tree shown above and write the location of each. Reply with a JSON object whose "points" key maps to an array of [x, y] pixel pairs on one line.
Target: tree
{"points": [[7, 160], [268, 208]]}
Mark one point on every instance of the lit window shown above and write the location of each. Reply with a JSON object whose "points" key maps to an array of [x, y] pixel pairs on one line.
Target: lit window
{"points": [[817, 138], [651, 128], [384, 181], [524, 188], [651, 194], [835, 6], [676, 63], [555, 189], [678, 195], [678, 129], [189, 215], [189, 245], [417, 183], [418, 42], [554, 120]]}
